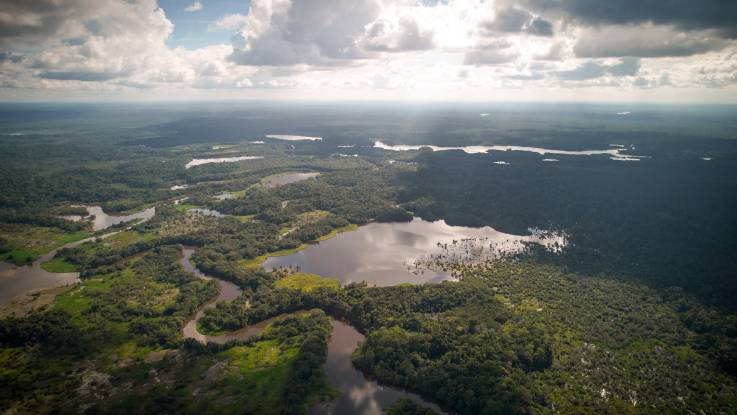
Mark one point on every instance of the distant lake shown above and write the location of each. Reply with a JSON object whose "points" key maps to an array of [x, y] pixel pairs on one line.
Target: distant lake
{"points": [[199, 162], [103, 220], [288, 137], [385, 253], [286, 178], [616, 153]]}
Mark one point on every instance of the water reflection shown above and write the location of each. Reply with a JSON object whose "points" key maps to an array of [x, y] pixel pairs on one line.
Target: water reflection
{"points": [[358, 395], [199, 162], [17, 280], [617, 153], [385, 253], [102, 220]]}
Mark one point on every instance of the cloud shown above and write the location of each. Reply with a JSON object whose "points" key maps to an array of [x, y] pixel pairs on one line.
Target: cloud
{"points": [[683, 14], [539, 27], [516, 20], [231, 21], [592, 70], [10, 57], [194, 7], [645, 40], [510, 19], [34, 22], [404, 35], [387, 49], [555, 52], [280, 32], [491, 53], [79, 76]]}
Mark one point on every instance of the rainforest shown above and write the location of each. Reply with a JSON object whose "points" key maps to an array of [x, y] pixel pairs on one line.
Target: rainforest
{"points": [[276, 258]]}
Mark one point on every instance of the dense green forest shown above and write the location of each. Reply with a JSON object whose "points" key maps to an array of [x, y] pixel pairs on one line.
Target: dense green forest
{"points": [[636, 315]]}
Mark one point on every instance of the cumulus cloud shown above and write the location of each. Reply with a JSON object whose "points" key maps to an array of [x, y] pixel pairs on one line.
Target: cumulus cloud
{"points": [[516, 20], [396, 36], [194, 7], [280, 32], [231, 21], [402, 47]]}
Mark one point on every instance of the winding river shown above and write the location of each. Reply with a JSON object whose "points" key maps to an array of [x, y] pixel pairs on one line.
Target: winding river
{"points": [[358, 395], [18, 280]]}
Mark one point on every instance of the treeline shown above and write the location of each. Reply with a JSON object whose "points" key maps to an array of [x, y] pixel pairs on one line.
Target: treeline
{"points": [[423, 338], [306, 377], [38, 217], [667, 222], [144, 304], [303, 382], [357, 195]]}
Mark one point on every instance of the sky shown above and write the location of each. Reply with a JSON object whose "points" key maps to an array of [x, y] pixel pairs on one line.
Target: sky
{"points": [[679, 51]]}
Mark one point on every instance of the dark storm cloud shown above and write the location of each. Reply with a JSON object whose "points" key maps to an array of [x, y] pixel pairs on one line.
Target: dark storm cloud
{"points": [[653, 42], [540, 27], [684, 14], [10, 57], [593, 70], [79, 76], [516, 20], [510, 19], [27, 22]]}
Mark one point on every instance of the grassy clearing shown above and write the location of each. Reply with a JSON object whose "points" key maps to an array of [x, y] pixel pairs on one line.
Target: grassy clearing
{"points": [[58, 265], [307, 282], [245, 218], [126, 238], [119, 240], [256, 262], [335, 232], [185, 206], [28, 242], [261, 369], [239, 194]]}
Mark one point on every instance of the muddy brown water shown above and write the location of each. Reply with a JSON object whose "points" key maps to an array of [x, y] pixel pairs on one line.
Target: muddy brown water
{"points": [[17, 280]]}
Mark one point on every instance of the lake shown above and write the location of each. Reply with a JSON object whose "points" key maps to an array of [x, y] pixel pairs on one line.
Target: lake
{"points": [[616, 153], [102, 220], [287, 137], [392, 253], [358, 395], [199, 162]]}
